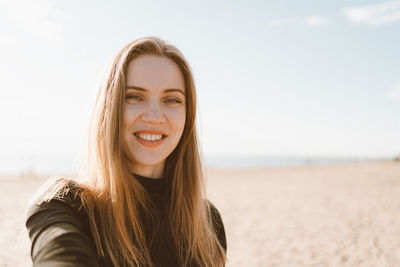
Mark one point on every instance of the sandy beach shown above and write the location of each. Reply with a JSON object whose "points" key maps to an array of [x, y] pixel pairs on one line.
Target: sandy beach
{"points": [[312, 215]]}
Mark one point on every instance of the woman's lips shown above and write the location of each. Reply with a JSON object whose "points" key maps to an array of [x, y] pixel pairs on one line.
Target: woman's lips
{"points": [[149, 143]]}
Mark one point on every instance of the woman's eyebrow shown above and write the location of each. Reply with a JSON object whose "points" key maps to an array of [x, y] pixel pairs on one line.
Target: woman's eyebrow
{"points": [[136, 88], [165, 91], [174, 90]]}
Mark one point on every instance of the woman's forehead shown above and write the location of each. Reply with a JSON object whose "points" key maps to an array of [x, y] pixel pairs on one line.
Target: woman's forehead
{"points": [[154, 73]]}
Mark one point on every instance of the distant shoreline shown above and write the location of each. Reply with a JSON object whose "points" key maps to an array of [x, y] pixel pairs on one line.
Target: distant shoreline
{"points": [[268, 161], [60, 165]]}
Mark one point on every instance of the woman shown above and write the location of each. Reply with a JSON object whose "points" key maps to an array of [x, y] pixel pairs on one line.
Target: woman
{"points": [[142, 203]]}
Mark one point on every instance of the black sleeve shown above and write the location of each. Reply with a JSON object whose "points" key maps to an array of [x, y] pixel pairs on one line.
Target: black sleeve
{"points": [[58, 238], [218, 225]]}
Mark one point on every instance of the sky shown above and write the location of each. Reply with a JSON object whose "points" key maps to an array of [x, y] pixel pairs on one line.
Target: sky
{"points": [[273, 78]]}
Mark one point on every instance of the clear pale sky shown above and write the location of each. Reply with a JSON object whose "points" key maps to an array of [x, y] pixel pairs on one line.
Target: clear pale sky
{"points": [[312, 78]]}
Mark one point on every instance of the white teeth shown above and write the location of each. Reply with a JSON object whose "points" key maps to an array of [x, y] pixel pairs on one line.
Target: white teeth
{"points": [[150, 137]]}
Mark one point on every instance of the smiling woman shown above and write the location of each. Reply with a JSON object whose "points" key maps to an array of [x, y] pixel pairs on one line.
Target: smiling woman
{"points": [[143, 202], [154, 113]]}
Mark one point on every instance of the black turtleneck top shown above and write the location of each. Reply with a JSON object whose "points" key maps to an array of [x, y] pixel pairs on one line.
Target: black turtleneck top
{"points": [[61, 236], [161, 248]]}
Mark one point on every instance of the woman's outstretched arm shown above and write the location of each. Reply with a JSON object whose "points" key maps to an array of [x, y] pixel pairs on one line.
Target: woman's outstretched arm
{"points": [[58, 236]]}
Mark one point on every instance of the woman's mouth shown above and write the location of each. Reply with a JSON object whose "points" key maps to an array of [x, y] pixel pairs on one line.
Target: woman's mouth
{"points": [[150, 140]]}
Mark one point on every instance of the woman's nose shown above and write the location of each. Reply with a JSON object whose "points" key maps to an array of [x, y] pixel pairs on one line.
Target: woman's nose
{"points": [[153, 113]]}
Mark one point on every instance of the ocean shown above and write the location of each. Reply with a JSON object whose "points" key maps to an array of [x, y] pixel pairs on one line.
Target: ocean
{"points": [[20, 164]]}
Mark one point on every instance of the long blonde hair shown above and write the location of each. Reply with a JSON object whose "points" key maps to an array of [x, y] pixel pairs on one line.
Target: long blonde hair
{"points": [[114, 199]]}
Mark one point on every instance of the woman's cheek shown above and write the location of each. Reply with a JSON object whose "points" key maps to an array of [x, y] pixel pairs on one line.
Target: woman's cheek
{"points": [[130, 113], [177, 116]]}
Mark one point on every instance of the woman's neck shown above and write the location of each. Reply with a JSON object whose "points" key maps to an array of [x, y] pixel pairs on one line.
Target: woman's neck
{"points": [[150, 171]]}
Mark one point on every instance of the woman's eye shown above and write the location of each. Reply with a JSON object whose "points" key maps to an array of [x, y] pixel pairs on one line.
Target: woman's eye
{"points": [[173, 100], [134, 97]]}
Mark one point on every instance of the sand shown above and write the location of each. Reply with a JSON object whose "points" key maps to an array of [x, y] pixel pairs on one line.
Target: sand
{"points": [[333, 215]]}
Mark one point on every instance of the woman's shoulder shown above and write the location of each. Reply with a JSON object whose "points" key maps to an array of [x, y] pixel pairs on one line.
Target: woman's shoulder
{"points": [[59, 188], [57, 200], [217, 223], [59, 197], [58, 226]]}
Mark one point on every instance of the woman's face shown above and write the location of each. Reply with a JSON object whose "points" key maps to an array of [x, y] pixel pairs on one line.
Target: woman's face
{"points": [[154, 113]]}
